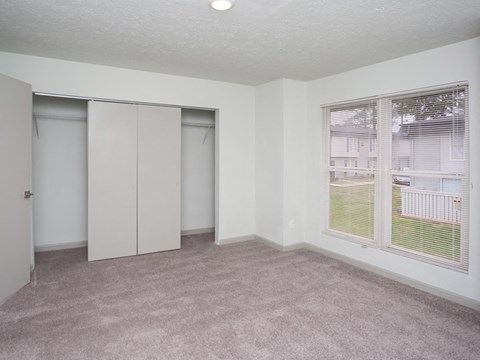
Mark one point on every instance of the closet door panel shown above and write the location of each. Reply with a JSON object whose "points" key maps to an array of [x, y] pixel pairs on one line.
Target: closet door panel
{"points": [[15, 179], [112, 180], [159, 136]]}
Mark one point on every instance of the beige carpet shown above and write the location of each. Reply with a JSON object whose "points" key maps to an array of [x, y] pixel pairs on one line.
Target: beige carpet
{"points": [[243, 301]]}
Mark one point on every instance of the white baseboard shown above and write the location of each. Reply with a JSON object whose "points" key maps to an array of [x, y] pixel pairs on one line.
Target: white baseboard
{"points": [[237, 239], [459, 299], [278, 246], [64, 246], [198, 231]]}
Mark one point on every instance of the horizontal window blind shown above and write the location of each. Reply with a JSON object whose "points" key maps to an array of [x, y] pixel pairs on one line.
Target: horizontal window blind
{"points": [[353, 130], [429, 182]]}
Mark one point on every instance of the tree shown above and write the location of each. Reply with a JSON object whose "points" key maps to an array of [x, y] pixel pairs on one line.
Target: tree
{"points": [[365, 117], [429, 107]]}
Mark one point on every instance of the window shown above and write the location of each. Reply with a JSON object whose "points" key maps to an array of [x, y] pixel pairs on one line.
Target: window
{"points": [[373, 144], [418, 207], [352, 144]]}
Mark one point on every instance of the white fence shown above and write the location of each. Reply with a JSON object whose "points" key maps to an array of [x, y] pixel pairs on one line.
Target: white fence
{"points": [[431, 205]]}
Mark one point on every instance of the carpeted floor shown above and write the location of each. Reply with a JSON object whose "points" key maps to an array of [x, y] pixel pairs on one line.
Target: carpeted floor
{"points": [[242, 301]]}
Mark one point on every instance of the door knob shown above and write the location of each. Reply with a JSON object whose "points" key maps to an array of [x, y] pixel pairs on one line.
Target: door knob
{"points": [[27, 194]]}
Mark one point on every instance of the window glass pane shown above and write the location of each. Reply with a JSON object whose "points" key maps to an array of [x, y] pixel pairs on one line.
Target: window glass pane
{"points": [[428, 131], [352, 199], [353, 134], [426, 219]]}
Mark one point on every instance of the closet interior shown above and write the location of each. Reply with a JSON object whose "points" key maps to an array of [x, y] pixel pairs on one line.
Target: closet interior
{"points": [[124, 179]]}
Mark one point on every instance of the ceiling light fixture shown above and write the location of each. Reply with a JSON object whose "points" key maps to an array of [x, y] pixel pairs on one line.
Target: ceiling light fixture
{"points": [[221, 5]]}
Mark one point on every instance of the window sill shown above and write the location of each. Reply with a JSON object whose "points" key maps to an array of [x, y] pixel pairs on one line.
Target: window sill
{"points": [[429, 259], [364, 242], [424, 258]]}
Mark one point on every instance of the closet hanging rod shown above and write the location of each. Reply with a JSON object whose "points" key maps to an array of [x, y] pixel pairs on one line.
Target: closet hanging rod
{"points": [[81, 118], [88, 98], [199, 125], [59, 117]]}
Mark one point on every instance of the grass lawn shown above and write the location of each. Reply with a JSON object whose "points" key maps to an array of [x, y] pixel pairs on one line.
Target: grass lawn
{"points": [[352, 211]]}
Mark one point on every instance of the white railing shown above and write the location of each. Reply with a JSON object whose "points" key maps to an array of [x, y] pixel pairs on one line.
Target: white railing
{"points": [[431, 205]]}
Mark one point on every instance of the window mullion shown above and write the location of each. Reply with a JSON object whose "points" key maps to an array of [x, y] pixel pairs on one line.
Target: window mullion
{"points": [[383, 189]]}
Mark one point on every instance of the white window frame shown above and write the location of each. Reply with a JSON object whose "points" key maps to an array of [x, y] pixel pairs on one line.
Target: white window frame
{"points": [[345, 170], [383, 184]]}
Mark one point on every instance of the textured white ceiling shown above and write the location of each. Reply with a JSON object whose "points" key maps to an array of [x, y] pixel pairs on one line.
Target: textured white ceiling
{"points": [[255, 42]]}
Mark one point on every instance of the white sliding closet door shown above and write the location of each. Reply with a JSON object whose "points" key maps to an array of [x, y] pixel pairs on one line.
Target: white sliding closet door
{"points": [[112, 180], [159, 146]]}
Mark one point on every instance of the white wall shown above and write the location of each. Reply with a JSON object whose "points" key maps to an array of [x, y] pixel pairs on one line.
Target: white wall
{"points": [[234, 130], [453, 63], [60, 172], [280, 161], [269, 166], [198, 170], [294, 120]]}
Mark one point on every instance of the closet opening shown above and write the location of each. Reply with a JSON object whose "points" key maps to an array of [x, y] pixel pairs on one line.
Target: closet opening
{"points": [[60, 174], [198, 176]]}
